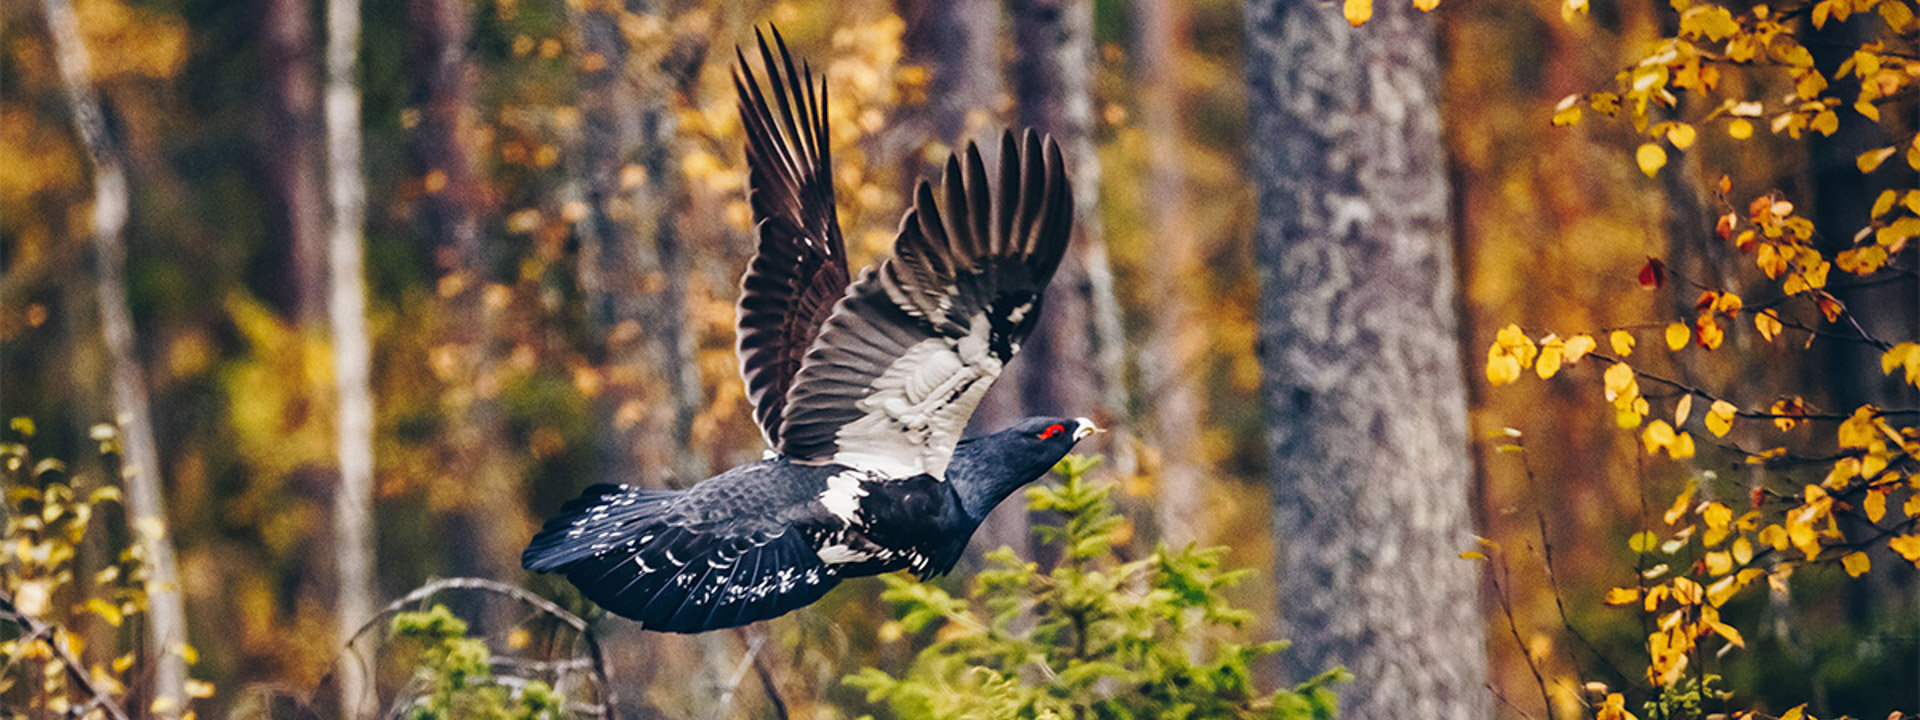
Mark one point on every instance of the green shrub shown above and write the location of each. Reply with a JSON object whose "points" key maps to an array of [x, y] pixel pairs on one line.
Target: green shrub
{"points": [[1094, 637]]}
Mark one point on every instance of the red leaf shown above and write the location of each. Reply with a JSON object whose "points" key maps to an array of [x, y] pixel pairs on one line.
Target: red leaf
{"points": [[1653, 274]]}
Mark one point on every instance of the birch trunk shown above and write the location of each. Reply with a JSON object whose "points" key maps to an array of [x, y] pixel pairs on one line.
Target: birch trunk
{"points": [[353, 528], [140, 457], [1360, 348]]}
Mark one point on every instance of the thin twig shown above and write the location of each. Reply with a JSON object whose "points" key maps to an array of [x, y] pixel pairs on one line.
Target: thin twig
{"points": [[76, 670]]}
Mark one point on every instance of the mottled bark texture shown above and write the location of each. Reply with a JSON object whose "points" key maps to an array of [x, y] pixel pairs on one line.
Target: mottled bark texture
{"points": [[633, 268], [1359, 344]]}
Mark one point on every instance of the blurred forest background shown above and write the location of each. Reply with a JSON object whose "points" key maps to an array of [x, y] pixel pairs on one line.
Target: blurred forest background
{"points": [[546, 203]]}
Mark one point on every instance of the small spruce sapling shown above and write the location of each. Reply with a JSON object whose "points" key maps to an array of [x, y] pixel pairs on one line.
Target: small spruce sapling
{"points": [[1094, 637]]}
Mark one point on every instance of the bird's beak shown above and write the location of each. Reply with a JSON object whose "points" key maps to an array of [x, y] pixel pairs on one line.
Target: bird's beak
{"points": [[1084, 428]]}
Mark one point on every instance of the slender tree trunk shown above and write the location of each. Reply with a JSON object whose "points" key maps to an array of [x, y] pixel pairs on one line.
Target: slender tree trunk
{"points": [[353, 528], [1172, 406], [633, 267], [1073, 363], [456, 203], [291, 140], [1359, 342], [959, 43], [140, 455]]}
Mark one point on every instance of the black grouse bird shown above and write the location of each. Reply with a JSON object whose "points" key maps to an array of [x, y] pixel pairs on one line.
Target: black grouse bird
{"points": [[862, 389]]}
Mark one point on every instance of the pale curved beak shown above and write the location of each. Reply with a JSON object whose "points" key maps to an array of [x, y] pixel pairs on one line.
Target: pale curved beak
{"points": [[1083, 428]]}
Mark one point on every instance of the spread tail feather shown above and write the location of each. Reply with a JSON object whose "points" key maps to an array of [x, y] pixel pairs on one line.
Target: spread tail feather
{"points": [[615, 543]]}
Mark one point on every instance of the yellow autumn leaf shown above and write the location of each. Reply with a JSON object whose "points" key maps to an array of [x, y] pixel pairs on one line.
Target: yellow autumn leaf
{"points": [[1359, 11], [1618, 379], [1798, 712], [1742, 550], [1740, 129], [1768, 323], [1426, 5], [1622, 342], [1872, 158], [1719, 419], [1682, 446], [1502, 368], [1682, 409], [1650, 157], [1858, 431], [1907, 545], [1681, 135], [1577, 347], [1856, 563], [1657, 435], [1905, 355], [1875, 505], [1677, 336], [1552, 350]]}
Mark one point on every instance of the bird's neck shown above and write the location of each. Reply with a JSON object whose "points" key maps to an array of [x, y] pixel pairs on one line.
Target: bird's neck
{"points": [[982, 485]]}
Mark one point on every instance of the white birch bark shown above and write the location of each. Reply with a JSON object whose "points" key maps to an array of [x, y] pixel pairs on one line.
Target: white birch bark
{"points": [[166, 625]]}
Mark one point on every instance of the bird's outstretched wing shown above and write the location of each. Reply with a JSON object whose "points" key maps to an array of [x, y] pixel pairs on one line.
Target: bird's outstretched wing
{"points": [[800, 267], [905, 357]]}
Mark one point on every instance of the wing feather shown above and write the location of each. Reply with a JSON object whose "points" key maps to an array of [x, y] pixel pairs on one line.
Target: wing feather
{"points": [[799, 269], [904, 358]]}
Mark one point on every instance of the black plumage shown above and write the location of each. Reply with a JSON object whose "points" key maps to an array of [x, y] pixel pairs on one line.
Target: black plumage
{"points": [[860, 388]]}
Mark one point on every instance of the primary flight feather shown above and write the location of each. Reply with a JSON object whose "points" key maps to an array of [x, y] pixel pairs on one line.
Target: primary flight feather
{"points": [[861, 388]]}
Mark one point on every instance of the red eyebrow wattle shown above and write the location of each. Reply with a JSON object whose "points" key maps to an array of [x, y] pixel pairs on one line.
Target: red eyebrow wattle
{"points": [[1051, 431]]}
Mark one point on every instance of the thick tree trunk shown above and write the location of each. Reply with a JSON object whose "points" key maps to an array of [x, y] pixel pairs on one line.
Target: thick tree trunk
{"points": [[633, 268], [482, 542], [1172, 406], [290, 144], [353, 530], [1359, 341], [1072, 365], [166, 622]]}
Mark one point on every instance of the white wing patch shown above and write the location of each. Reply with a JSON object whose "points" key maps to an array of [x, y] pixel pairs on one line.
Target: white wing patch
{"points": [[923, 401], [842, 496], [842, 555]]}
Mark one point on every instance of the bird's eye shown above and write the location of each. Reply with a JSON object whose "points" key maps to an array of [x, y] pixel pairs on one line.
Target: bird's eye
{"points": [[1051, 431]]}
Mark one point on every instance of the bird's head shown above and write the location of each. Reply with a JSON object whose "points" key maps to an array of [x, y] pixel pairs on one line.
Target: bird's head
{"points": [[985, 470]]}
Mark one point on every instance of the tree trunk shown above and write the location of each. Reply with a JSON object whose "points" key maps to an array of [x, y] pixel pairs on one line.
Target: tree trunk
{"points": [[353, 529], [1173, 347], [1360, 348], [140, 456], [482, 542], [290, 141], [959, 44], [1073, 363], [633, 268]]}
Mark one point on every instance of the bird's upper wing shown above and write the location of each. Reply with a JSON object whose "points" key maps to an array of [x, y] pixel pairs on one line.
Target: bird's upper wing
{"points": [[906, 356], [800, 267]]}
